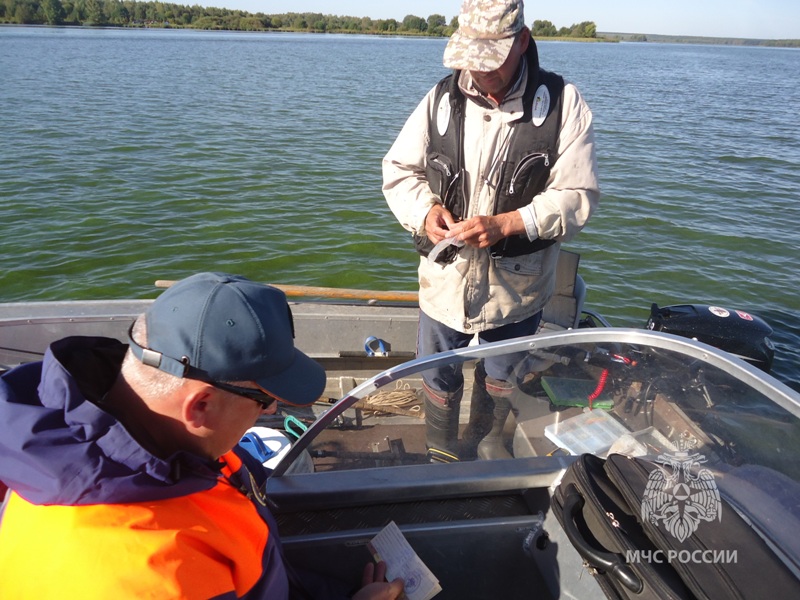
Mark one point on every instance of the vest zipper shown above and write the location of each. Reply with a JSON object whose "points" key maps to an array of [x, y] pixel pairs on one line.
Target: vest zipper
{"points": [[524, 162], [443, 165]]}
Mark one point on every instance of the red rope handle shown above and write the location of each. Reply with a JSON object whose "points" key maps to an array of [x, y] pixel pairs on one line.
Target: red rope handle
{"points": [[601, 384]]}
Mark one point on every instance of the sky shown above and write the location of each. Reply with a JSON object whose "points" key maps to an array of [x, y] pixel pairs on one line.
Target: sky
{"points": [[762, 19]]}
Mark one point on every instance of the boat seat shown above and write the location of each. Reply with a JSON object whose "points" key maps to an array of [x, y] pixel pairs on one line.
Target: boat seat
{"points": [[564, 309]]}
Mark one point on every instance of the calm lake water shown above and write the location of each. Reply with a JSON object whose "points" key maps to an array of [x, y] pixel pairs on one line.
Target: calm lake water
{"points": [[131, 156]]}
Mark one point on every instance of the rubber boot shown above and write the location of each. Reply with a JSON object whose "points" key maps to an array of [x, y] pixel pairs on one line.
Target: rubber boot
{"points": [[481, 415], [492, 447], [441, 424]]}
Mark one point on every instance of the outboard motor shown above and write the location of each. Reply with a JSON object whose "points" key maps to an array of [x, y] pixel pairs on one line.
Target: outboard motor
{"points": [[735, 331]]}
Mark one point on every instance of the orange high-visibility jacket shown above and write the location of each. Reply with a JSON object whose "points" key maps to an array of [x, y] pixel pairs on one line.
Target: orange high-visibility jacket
{"points": [[92, 514]]}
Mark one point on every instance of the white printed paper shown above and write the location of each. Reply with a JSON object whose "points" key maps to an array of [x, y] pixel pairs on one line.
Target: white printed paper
{"points": [[391, 547]]}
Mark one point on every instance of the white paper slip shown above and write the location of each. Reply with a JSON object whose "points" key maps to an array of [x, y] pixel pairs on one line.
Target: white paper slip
{"points": [[391, 546], [439, 248]]}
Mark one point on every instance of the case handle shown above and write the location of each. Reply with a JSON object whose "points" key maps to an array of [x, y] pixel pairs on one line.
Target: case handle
{"points": [[607, 561]]}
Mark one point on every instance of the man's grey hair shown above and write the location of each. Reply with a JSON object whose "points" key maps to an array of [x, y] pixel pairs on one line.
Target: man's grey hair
{"points": [[148, 381]]}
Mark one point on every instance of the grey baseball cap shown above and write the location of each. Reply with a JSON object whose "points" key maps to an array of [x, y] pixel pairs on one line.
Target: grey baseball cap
{"points": [[485, 34], [218, 327]]}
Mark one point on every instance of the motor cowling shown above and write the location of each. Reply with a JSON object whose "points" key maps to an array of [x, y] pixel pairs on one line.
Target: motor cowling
{"points": [[736, 331]]}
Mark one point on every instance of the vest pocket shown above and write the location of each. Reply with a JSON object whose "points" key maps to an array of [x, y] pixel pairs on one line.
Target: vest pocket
{"points": [[439, 173], [532, 170]]}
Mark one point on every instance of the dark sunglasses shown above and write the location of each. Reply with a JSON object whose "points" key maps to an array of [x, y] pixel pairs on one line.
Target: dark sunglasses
{"points": [[263, 398]]}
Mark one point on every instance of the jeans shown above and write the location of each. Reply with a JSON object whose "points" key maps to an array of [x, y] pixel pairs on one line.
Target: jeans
{"points": [[433, 337]]}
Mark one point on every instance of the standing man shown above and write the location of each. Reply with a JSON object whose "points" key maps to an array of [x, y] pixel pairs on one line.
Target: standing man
{"points": [[493, 170], [125, 474]]}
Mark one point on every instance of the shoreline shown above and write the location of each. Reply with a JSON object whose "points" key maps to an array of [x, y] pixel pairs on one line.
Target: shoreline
{"points": [[602, 37]]}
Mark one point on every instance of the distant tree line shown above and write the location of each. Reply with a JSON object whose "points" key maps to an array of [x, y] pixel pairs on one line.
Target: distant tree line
{"points": [[587, 29], [130, 13], [695, 39]]}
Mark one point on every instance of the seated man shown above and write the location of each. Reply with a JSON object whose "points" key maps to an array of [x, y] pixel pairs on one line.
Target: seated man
{"points": [[123, 465]]}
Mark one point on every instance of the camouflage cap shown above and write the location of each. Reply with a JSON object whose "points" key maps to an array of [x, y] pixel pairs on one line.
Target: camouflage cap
{"points": [[485, 34]]}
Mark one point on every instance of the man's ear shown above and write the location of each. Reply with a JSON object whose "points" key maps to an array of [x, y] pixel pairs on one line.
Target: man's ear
{"points": [[526, 40], [198, 404]]}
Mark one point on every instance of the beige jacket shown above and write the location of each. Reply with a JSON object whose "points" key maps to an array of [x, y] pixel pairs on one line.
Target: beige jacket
{"points": [[476, 292]]}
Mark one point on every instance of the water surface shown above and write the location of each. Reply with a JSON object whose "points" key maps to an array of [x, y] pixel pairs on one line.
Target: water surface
{"points": [[131, 156]]}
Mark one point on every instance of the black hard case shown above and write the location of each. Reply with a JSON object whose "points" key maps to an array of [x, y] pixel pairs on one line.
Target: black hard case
{"points": [[598, 503]]}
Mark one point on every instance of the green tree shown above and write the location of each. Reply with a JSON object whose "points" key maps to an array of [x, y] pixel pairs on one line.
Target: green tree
{"points": [[53, 12], [316, 21], [116, 12], [9, 9], [389, 25], [544, 29], [139, 12], [253, 24], [436, 24], [587, 29], [414, 23], [24, 13], [73, 12], [94, 12], [205, 22]]}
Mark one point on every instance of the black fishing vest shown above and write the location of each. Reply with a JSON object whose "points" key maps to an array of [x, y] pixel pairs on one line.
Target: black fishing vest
{"points": [[523, 174]]}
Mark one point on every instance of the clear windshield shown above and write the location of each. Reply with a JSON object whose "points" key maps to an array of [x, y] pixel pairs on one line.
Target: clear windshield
{"points": [[598, 391]]}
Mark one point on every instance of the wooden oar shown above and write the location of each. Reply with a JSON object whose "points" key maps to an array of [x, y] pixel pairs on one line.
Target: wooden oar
{"points": [[306, 291]]}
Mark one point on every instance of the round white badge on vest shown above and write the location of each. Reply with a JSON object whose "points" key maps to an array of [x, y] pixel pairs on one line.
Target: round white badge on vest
{"points": [[541, 105], [443, 114]]}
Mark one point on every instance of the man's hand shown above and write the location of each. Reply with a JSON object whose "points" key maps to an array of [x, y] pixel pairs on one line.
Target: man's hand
{"points": [[375, 586], [438, 222], [483, 231]]}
